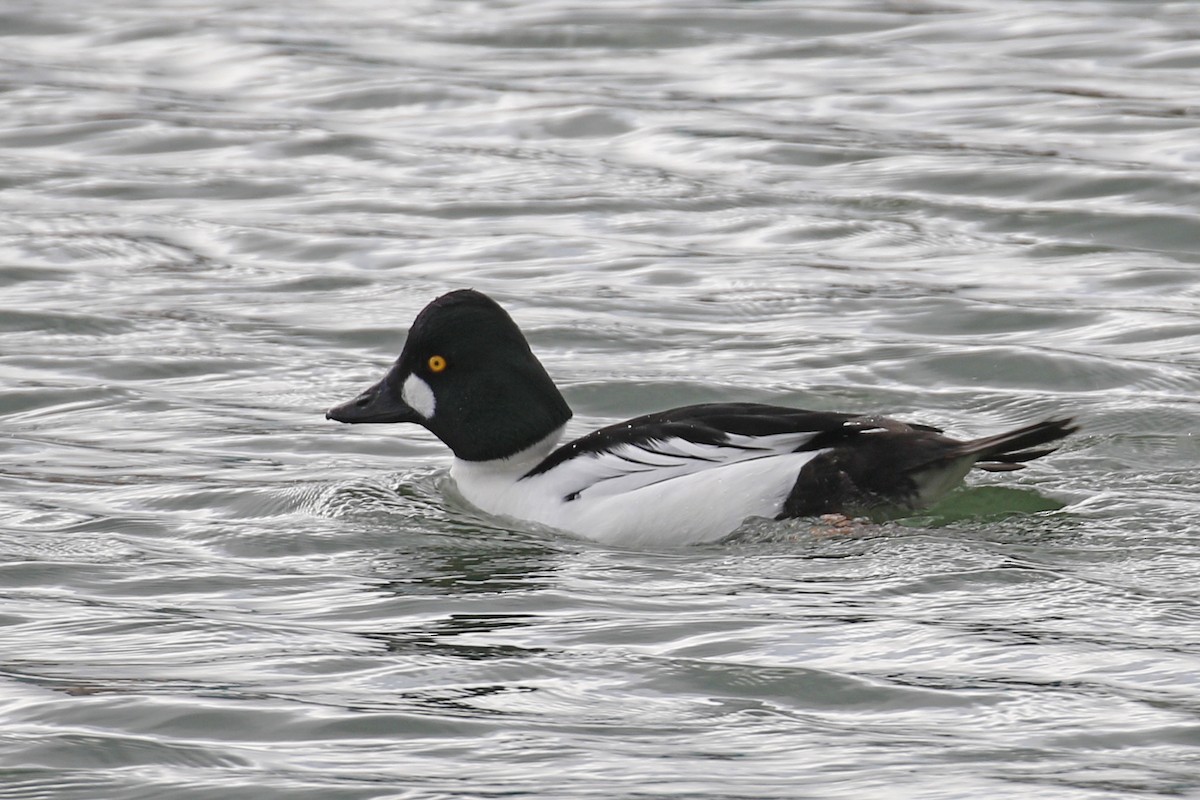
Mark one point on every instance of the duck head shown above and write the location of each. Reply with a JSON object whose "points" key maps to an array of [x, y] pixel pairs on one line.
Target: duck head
{"points": [[466, 374]]}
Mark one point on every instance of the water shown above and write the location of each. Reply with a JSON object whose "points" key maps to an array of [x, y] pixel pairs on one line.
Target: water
{"points": [[219, 218]]}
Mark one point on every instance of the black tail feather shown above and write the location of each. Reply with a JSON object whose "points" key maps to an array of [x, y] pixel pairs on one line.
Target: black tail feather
{"points": [[1005, 452], [890, 467]]}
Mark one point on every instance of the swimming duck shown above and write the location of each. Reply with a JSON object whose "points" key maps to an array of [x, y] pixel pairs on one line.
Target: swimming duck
{"points": [[681, 476]]}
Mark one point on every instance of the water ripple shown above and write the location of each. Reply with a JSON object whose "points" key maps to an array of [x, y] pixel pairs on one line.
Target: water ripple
{"points": [[217, 224]]}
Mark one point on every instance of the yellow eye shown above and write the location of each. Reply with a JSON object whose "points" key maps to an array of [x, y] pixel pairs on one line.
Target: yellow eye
{"points": [[436, 363]]}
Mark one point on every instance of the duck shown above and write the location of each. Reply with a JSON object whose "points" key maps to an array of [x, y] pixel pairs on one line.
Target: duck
{"points": [[683, 476]]}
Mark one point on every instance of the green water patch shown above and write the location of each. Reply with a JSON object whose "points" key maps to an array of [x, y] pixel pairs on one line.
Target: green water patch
{"points": [[982, 503]]}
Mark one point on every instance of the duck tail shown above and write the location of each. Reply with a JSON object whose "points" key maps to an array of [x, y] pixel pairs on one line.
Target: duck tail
{"points": [[1009, 451]]}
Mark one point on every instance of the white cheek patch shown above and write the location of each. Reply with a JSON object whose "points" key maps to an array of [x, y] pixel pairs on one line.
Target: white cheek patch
{"points": [[419, 396]]}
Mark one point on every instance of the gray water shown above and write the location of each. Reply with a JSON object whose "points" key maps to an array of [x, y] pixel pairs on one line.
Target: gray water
{"points": [[218, 218]]}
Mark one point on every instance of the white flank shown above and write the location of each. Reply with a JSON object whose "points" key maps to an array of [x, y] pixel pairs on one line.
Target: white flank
{"points": [[631, 466], [419, 396], [681, 499]]}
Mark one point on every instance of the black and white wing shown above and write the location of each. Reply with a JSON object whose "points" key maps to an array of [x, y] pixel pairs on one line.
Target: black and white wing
{"points": [[855, 462], [683, 441]]}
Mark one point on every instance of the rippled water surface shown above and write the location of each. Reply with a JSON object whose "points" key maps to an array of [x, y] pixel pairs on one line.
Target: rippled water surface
{"points": [[217, 219]]}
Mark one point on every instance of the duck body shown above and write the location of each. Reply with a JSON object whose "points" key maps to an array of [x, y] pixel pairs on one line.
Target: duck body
{"points": [[682, 476], [643, 482]]}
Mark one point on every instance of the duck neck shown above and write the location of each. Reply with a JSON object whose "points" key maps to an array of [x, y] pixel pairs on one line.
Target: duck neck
{"points": [[518, 463]]}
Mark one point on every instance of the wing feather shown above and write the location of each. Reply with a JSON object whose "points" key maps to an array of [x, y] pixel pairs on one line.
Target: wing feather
{"points": [[628, 466], [684, 441]]}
